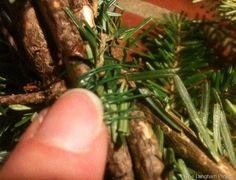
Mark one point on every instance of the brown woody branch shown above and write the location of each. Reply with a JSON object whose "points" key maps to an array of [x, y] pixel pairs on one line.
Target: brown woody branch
{"points": [[145, 151], [194, 155], [139, 158], [53, 91], [119, 163], [30, 39], [29, 98], [67, 39]]}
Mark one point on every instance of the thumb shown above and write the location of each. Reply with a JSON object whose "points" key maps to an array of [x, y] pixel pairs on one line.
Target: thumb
{"points": [[66, 141]]}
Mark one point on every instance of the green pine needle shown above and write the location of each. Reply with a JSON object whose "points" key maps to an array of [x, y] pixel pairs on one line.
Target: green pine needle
{"points": [[193, 113], [205, 103], [184, 170], [225, 131]]}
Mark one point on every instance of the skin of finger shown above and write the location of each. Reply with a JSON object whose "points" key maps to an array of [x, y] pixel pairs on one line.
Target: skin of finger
{"points": [[33, 159], [34, 126], [72, 121]]}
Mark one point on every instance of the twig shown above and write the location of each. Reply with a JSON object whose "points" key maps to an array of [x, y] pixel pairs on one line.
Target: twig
{"points": [[31, 39], [29, 98], [65, 35], [144, 150], [190, 152], [39, 97], [102, 48], [119, 163]]}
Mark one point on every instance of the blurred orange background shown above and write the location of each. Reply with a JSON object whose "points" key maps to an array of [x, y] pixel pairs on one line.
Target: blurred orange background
{"points": [[132, 17]]}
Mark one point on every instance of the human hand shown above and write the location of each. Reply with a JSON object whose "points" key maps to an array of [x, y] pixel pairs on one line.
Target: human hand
{"points": [[66, 141]]}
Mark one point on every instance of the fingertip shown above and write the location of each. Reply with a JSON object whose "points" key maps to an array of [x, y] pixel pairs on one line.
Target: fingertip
{"points": [[71, 134], [73, 121]]}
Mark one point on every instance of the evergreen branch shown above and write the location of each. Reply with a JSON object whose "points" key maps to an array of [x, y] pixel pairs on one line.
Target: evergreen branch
{"points": [[158, 109], [175, 58], [225, 8], [176, 49], [192, 153], [195, 118]]}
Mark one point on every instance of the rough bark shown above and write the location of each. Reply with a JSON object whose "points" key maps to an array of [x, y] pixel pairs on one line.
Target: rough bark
{"points": [[138, 159], [39, 97], [29, 98], [30, 36], [145, 151], [193, 154], [64, 33], [66, 36], [119, 163]]}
